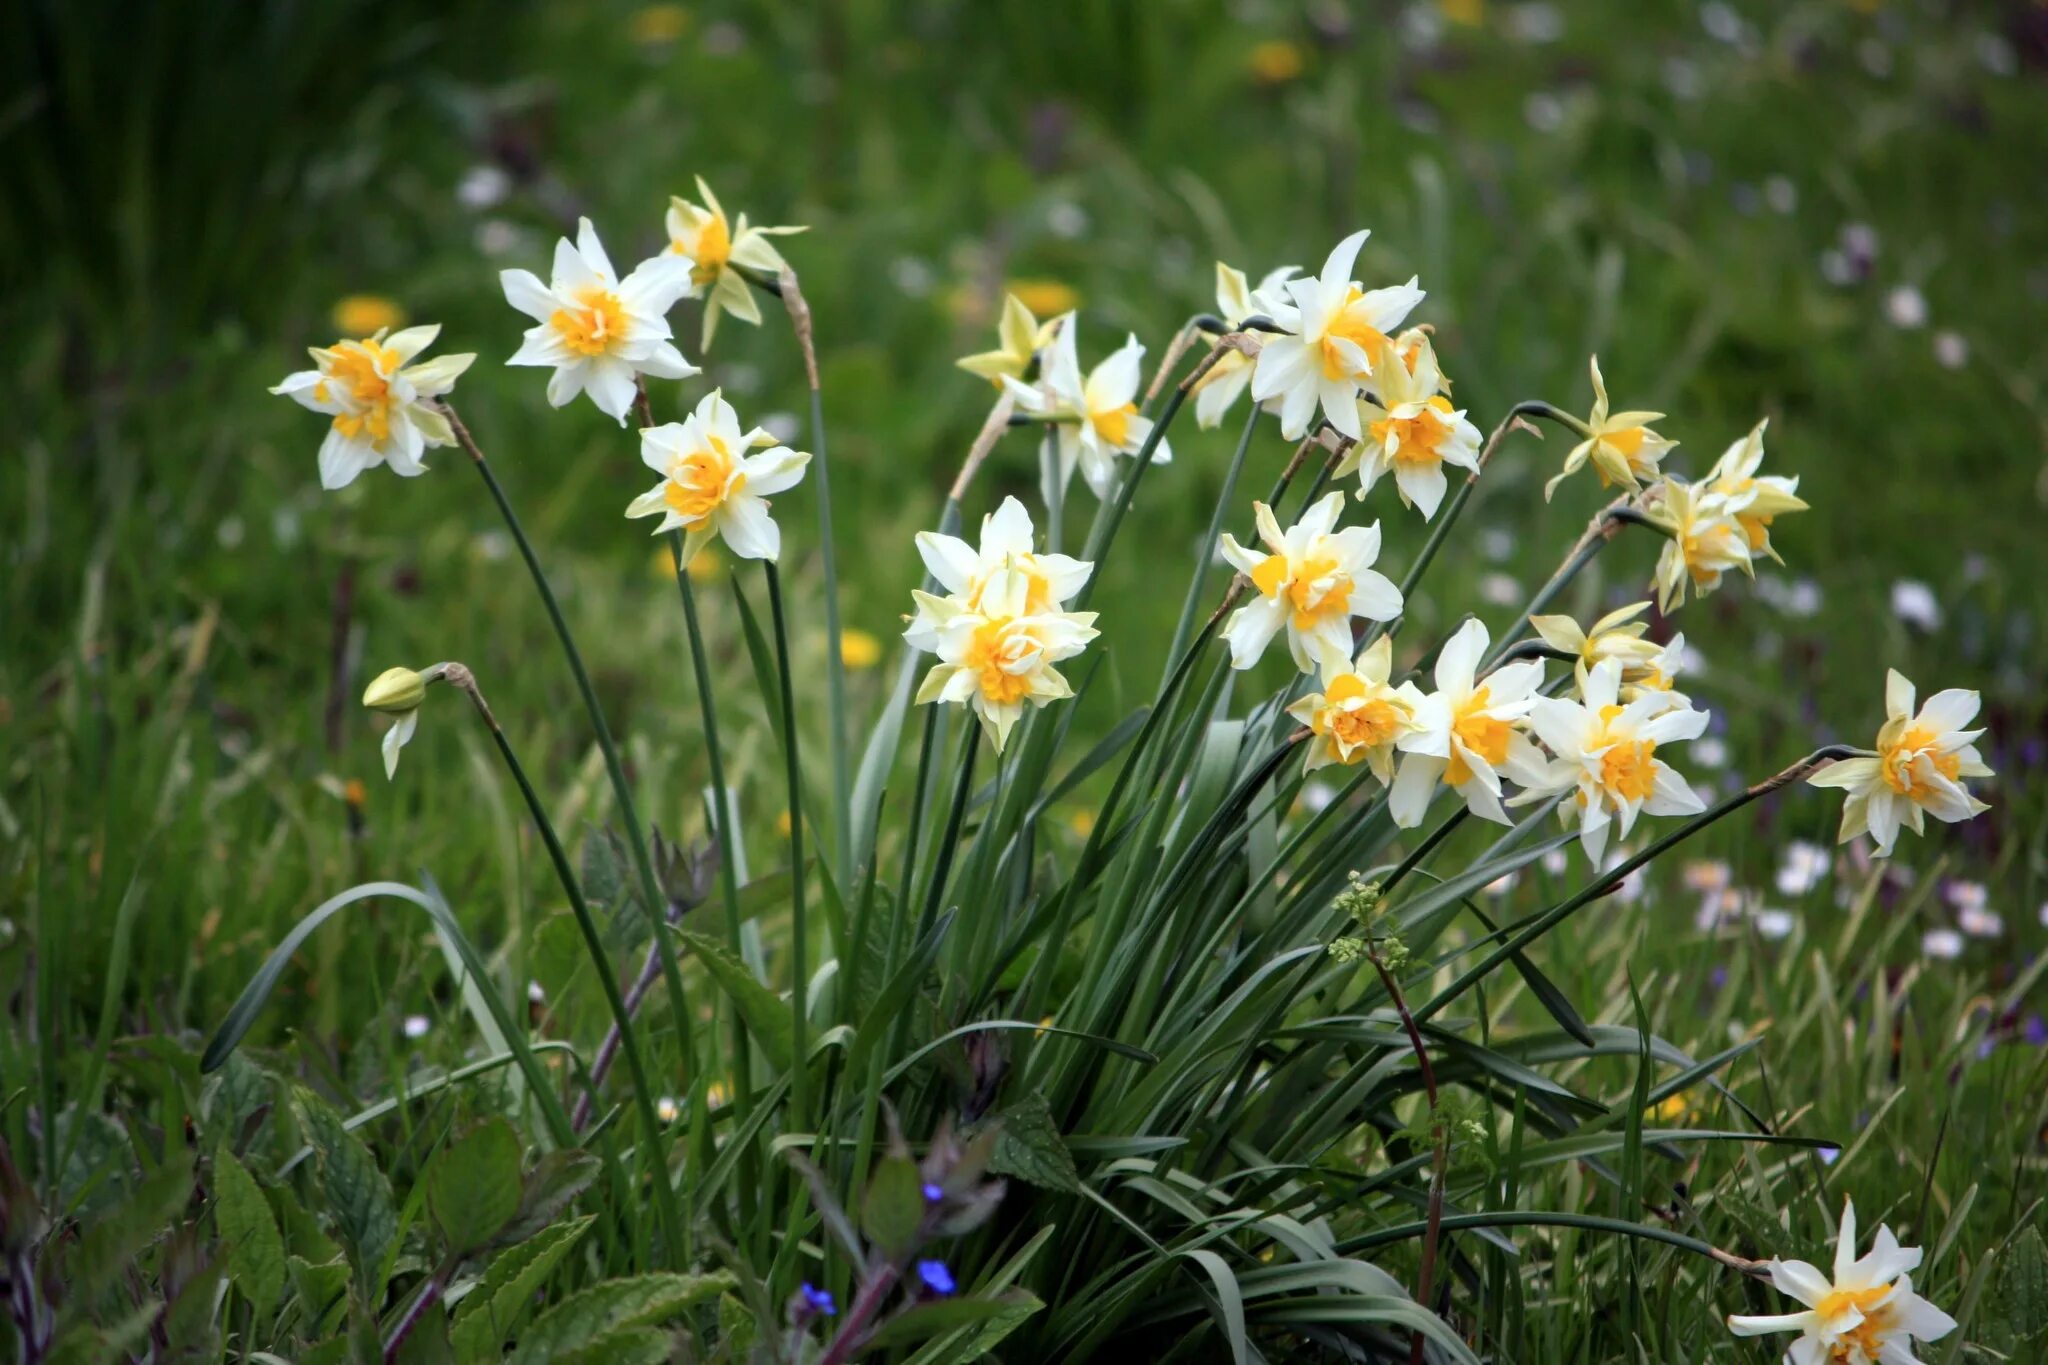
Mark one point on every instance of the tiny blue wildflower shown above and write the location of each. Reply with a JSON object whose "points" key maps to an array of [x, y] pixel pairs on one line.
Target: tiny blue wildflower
{"points": [[933, 1193], [936, 1277], [820, 1300]]}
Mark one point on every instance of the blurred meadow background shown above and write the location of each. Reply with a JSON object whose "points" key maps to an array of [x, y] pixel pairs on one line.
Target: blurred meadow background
{"points": [[1830, 214]]}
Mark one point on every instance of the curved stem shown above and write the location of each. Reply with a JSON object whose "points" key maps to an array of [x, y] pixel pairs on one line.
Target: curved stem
{"points": [[1604, 526], [651, 895], [1538, 925], [666, 1206]]}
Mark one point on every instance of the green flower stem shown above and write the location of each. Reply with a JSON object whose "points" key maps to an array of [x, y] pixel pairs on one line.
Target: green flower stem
{"points": [[835, 662], [674, 1230], [1442, 530], [799, 947], [721, 828], [651, 896], [1606, 524], [1536, 926]]}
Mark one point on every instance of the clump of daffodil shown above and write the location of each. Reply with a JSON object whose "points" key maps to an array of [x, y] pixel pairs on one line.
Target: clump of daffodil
{"points": [[1620, 445], [711, 485], [1411, 430], [1606, 757], [1754, 499], [598, 332], [1358, 716], [965, 571], [1096, 418], [1022, 337], [997, 657], [718, 249], [398, 693], [1217, 391], [1705, 541], [380, 402], [1865, 1313], [1333, 335], [1469, 733], [1312, 581], [1922, 761]]}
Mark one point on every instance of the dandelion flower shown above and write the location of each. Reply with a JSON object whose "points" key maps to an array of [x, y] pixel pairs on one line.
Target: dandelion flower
{"points": [[1218, 391], [1468, 733], [1621, 445], [1098, 415], [997, 659], [1866, 1313], [595, 330], [1412, 432], [716, 249], [1606, 755], [379, 401], [1334, 335], [710, 484], [1756, 500], [858, 649], [965, 572], [1357, 717], [1022, 337], [1922, 760], [1705, 541], [1312, 581]]}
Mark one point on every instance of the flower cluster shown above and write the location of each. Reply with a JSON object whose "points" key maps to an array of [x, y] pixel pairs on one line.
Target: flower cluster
{"points": [[1003, 623]]}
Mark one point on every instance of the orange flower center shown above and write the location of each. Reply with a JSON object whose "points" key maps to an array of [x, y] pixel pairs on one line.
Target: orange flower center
{"points": [[1901, 762], [699, 481], [594, 324], [359, 367], [1272, 575], [1349, 325], [994, 648], [1484, 735], [713, 249], [1114, 424], [1415, 438]]}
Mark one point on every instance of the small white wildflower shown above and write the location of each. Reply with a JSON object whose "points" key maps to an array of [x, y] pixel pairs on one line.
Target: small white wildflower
{"points": [[1942, 944], [1803, 867], [1914, 603], [1951, 349], [416, 1025], [1906, 306]]}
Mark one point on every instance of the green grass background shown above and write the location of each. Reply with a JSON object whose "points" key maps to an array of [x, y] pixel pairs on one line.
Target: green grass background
{"points": [[1657, 182]]}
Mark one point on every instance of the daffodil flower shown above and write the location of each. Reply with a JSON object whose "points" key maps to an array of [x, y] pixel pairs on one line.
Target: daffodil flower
{"points": [[1312, 581], [1606, 755], [1357, 717], [1758, 499], [1617, 635], [379, 400], [1096, 417], [1865, 1313], [999, 659], [398, 692], [1468, 733], [1334, 334], [1412, 432], [1022, 337], [710, 484], [596, 330], [1218, 391], [966, 572], [1621, 445], [1919, 768], [713, 247], [1705, 541]]}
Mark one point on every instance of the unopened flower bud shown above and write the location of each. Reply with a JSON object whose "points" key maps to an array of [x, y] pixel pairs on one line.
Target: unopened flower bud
{"points": [[396, 691]]}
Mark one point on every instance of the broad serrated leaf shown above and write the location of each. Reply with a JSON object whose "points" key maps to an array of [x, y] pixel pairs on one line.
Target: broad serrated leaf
{"points": [[255, 1248], [493, 1309], [473, 1185], [121, 1232], [892, 1211], [319, 1287], [1029, 1147], [629, 1346], [641, 1301], [767, 1017], [551, 1186], [358, 1195]]}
